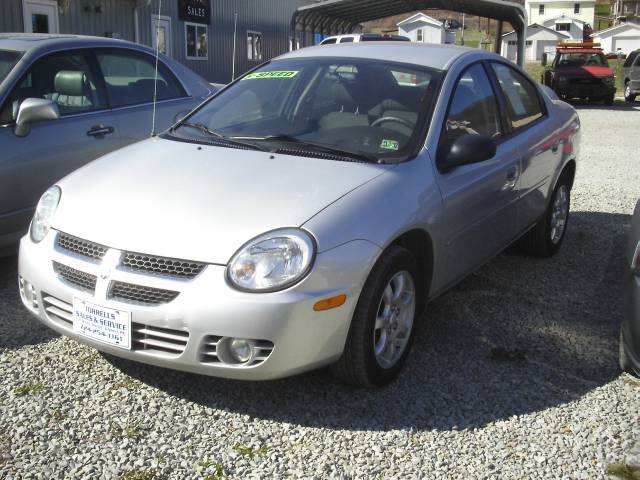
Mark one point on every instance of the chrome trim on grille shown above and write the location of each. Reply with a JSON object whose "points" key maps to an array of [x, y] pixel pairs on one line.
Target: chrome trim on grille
{"points": [[81, 247], [128, 292], [82, 280], [171, 267], [58, 311], [158, 339]]}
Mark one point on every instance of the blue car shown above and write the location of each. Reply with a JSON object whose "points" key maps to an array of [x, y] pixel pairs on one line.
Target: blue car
{"points": [[66, 100]]}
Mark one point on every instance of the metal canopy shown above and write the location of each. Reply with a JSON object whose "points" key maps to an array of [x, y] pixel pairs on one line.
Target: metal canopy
{"points": [[334, 17]]}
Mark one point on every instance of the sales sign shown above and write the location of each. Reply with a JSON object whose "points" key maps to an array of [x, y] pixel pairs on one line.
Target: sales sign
{"points": [[196, 11]]}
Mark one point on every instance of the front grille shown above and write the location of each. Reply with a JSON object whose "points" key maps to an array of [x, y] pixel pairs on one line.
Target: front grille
{"points": [[209, 352], [58, 311], [158, 339], [128, 292], [81, 247], [586, 81], [172, 267], [82, 280]]}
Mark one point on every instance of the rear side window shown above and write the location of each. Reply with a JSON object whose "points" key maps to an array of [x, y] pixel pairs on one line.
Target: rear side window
{"points": [[347, 40], [130, 79], [328, 41], [523, 102]]}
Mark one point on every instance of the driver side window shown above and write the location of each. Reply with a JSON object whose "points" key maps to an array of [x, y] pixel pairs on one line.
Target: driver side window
{"points": [[64, 78], [473, 109]]}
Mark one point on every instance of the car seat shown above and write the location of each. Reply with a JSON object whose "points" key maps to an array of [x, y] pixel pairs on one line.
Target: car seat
{"points": [[72, 92]]}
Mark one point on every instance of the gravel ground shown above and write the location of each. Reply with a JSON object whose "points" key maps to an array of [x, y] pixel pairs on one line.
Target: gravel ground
{"points": [[559, 408]]}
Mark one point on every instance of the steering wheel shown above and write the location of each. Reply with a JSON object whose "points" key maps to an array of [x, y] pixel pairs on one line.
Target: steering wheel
{"points": [[402, 121]]}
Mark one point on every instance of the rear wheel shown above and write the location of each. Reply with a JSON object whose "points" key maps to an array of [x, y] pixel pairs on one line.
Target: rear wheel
{"points": [[628, 96], [545, 239], [381, 329]]}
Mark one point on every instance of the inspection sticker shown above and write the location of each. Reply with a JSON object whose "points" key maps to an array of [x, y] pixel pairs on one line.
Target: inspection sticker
{"points": [[273, 74], [390, 145]]}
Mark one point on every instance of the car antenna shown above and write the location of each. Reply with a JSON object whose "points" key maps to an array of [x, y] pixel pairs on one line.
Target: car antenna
{"points": [[155, 77]]}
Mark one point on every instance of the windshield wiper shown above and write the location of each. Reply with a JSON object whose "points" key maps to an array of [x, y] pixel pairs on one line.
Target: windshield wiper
{"points": [[316, 146], [212, 133]]}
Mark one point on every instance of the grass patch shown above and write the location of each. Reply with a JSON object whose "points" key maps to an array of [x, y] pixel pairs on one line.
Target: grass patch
{"points": [[623, 471], [126, 383], [29, 389], [89, 359], [130, 430], [139, 474], [217, 474], [250, 452]]}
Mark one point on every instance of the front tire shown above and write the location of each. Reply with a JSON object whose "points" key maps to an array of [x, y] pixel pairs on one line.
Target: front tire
{"points": [[623, 357], [628, 96], [546, 237], [381, 329], [609, 100]]}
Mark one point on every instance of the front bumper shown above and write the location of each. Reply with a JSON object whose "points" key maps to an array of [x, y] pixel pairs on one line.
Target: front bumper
{"points": [[591, 90], [206, 309]]}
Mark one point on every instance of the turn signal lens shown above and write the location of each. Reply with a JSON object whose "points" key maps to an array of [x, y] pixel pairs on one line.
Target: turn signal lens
{"points": [[329, 303]]}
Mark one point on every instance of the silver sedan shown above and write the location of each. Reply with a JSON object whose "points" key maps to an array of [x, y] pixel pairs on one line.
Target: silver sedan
{"points": [[306, 214], [66, 100], [630, 332]]}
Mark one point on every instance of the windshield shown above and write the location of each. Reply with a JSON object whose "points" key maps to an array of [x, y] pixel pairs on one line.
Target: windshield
{"points": [[375, 108], [582, 60], [8, 60]]}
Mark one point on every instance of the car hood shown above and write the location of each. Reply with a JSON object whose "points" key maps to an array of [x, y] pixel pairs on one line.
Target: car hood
{"points": [[198, 202], [586, 71]]}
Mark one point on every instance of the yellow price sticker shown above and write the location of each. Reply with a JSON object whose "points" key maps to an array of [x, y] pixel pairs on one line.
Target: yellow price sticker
{"points": [[273, 74]]}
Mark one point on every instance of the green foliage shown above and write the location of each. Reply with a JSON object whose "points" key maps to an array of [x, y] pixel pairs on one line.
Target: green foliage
{"points": [[29, 389]]}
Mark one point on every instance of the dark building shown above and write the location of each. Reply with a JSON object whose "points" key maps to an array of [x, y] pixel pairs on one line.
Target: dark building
{"points": [[198, 33]]}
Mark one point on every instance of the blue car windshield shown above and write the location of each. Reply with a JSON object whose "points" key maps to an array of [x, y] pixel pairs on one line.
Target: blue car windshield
{"points": [[374, 107], [8, 60]]}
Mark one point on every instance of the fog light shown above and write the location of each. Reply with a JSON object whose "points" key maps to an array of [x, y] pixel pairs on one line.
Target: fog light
{"points": [[241, 350], [28, 294]]}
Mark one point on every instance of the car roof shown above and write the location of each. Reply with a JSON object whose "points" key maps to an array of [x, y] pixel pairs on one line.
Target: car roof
{"points": [[430, 55], [24, 42]]}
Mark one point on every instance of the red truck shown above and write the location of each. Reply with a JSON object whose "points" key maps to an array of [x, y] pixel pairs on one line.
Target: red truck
{"points": [[580, 70]]}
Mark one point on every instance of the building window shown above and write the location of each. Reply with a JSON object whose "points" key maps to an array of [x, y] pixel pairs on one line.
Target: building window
{"points": [[541, 9], [529, 43], [576, 8], [513, 43], [196, 41], [420, 35], [254, 45], [563, 27]]}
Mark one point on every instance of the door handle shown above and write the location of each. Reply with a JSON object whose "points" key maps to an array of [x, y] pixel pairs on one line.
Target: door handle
{"points": [[99, 130], [512, 178]]}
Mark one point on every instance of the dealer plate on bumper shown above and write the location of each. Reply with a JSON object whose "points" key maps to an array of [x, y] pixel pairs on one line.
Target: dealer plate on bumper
{"points": [[103, 324]]}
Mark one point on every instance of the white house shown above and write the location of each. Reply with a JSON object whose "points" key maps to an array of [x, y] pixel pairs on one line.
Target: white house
{"points": [[539, 11], [574, 27], [423, 28], [624, 37], [538, 38]]}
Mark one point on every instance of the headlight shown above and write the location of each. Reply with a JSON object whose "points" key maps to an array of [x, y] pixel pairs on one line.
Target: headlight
{"points": [[272, 261], [44, 213]]}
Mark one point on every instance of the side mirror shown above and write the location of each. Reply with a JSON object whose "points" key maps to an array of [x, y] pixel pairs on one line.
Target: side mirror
{"points": [[545, 60], [34, 110], [180, 115], [467, 149]]}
